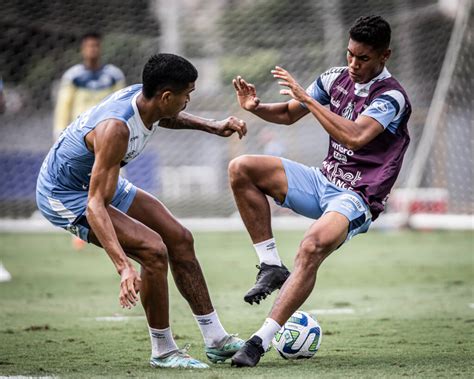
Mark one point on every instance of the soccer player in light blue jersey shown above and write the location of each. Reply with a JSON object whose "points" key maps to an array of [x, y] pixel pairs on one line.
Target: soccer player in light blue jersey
{"points": [[82, 86], [80, 189], [366, 120]]}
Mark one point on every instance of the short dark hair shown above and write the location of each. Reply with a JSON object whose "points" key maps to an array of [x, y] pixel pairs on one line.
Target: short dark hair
{"points": [[371, 30], [94, 35], [167, 71]]}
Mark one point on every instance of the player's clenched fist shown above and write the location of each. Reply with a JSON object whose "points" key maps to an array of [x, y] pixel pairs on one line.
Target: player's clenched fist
{"points": [[231, 125]]}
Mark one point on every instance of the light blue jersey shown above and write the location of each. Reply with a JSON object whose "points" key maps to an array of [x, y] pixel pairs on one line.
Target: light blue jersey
{"points": [[63, 181]]}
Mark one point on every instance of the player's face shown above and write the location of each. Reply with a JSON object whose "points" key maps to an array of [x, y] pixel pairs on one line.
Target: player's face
{"points": [[364, 62], [90, 49], [179, 100]]}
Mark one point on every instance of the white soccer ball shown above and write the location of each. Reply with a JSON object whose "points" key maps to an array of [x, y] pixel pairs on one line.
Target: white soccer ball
{"points": [[299, 338]]}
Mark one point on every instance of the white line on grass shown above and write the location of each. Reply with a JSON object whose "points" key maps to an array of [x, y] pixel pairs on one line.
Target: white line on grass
{"points": [[333, 311], [118, 318]]}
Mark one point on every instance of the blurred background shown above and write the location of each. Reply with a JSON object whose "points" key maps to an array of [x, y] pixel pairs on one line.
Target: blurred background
{"points": [[432, 57]]}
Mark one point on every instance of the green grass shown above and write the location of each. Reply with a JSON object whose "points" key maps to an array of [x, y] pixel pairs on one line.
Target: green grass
{"points": [[412, 295]]}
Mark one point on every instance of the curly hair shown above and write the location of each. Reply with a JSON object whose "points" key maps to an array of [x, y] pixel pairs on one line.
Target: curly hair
{"points": [[371, 30]]}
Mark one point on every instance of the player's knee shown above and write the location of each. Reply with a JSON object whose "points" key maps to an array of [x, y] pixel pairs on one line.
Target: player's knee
{"points": [[185, 242], [312, 251], [155, 256], [181, 250], [238, 168]]}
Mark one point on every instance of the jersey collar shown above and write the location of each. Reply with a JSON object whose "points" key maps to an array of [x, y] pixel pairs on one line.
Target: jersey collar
{"points": [[362, 89]]}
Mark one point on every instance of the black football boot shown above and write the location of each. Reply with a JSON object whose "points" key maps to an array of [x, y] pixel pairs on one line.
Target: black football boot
{"points": [[249, 354], [269, 279]]}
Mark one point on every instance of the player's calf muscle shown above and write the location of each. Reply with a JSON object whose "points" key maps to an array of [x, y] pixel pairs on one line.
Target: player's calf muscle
{"points": [[190, 281]]}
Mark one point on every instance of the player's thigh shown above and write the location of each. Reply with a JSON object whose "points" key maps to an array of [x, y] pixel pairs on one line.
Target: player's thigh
{"points": [[304, 189], [328, 232], [350, 205], [151, 212], [265, 172], [135, 238]]}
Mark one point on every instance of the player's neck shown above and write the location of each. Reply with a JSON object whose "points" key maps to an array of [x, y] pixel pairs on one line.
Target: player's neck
{"points": [[377, 73], [148, 113], [92, 65]]}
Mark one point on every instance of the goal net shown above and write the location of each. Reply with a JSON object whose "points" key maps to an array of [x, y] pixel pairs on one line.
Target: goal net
{"points": [[187, 170]]}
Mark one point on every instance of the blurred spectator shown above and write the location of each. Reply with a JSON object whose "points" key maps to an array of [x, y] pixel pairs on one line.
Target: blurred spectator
{"points": [[85, 84], [2, 98]]}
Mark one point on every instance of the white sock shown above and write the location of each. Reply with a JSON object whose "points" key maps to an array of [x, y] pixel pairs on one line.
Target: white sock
{"points": [[267, 332], [162, 341], [267, 252], [4, 274], [211, 329]]}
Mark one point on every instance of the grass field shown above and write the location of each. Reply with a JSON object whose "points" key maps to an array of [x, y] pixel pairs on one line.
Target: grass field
{"points": [[411, 295]]}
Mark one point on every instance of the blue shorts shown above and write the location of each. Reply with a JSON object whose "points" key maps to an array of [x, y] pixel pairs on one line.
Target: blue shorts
{"points": [[311, 194], [67, 209]]}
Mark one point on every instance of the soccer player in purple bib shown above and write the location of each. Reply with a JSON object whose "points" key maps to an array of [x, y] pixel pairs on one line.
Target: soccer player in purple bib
{"points": [[367, 126]]}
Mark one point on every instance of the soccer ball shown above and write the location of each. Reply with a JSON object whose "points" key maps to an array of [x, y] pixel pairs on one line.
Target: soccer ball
{"points": [[299, 338]]}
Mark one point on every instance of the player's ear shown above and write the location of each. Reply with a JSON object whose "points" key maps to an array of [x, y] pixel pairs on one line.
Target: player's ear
{"points": [[386, 54], [165, 96]]}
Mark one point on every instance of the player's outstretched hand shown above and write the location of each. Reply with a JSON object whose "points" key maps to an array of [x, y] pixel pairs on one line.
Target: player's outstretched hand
{"points": [[294, 89], [130, 283], [231, 125], [246, 94]]}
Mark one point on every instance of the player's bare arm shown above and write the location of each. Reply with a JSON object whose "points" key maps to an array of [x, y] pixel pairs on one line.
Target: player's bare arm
{"points": [[352, 134], [285, 113], [223, 128], [109, 142]]}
